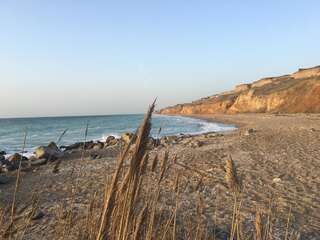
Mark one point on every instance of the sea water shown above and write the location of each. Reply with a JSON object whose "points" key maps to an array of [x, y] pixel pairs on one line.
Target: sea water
{"points": [[41, 131]]}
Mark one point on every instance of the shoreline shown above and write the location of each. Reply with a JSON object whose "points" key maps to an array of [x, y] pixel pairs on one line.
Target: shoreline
{"points": [[30, 151], [214, 118]]}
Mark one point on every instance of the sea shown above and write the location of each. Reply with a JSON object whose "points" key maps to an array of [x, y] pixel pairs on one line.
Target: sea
{"points": [[68, 130]]}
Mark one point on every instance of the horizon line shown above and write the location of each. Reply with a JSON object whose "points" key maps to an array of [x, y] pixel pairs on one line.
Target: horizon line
{"points": [[70, 116]]}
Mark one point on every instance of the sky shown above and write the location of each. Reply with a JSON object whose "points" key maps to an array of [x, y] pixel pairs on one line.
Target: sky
{"points": [[79, 57]]}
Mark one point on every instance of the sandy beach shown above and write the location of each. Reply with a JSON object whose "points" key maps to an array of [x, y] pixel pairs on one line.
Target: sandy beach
{"points": [[277, 157]]}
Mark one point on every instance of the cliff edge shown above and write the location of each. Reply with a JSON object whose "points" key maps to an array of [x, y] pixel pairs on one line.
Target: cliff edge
{"points": [[295, 93]]}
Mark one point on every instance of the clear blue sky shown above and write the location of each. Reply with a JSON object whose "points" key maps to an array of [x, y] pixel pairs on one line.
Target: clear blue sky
{"points": [[66, 57]]}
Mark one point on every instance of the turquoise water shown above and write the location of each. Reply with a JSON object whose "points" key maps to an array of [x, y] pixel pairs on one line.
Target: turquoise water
{"points": [[41, 131]]}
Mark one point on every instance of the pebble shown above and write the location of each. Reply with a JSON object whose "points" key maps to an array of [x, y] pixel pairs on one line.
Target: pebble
{"points": [[276, 180], [249, 131], [38, 215]]}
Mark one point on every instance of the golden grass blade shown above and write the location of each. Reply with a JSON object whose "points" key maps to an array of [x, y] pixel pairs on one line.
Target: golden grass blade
{"points": [[137, 156], [13, 206], [141, 218], [258, 224]]}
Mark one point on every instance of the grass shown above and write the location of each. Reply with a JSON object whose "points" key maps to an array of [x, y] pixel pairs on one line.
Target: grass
{"points": [[132, 204]]}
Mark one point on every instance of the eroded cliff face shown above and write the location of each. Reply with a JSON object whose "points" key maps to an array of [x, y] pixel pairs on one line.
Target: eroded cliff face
{"points": [[298, 92]]}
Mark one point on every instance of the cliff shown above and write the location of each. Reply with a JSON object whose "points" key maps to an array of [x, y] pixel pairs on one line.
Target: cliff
{"points": [[295, 93]]}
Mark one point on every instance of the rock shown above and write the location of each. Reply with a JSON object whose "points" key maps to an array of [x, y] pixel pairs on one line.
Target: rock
{"points": [[2, 158], [3, 168], [168, 140], [74, 146], [33, 158], [152, 143], [276, 180], [51, 152], [242, 87], [156, 142], [4, 179], [89, 145], [39, 162], [13, 162], [4, 161], [111, 142], [196, 144], [53, 146], [2, 153], [211, 135], [126, 137], [17, 158], [98, 146], [172, 138], [37, 215], [95, 156], [109, 139], [79, 146], [43, 152], [249, 131]]}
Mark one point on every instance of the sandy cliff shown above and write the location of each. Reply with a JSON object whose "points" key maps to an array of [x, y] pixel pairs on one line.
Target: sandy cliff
{"points": [[298, 92]]}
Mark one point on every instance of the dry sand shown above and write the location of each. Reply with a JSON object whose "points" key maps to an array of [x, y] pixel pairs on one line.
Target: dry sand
{"points": [[278, 160]]}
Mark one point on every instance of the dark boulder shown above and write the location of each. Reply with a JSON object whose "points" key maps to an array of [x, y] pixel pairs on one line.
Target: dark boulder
{"points": [[79, 146], [38, 162]]}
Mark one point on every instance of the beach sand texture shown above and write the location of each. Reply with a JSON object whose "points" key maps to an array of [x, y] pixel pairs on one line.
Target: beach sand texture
{"points": [[277, 157]]}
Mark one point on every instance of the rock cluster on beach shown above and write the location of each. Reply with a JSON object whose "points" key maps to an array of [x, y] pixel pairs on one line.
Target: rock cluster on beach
{"points": [[295, 93], [95, 149]]}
